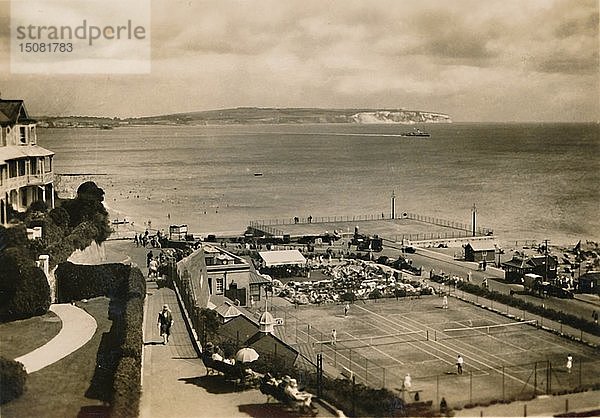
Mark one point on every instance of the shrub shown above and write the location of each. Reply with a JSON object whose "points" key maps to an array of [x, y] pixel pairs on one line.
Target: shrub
{"points": [[133, 338], [24, 289], [76, 282], [60, 217], [348, 297], [13, 377], [127, 390]]}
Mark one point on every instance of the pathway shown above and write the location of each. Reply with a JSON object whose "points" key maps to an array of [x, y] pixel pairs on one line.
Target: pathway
{"points": [[78, 327]]}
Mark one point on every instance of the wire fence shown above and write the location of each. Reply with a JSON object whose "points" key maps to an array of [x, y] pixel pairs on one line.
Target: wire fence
{"points": [[523, 315], [459, 229], [478, 384]]}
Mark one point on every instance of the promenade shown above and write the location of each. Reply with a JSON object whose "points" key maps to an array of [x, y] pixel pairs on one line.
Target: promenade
{"points": [[174, 381]]}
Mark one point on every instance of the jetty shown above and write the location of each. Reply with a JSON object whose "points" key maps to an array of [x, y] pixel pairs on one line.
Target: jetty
{"points": [[407, 228]]}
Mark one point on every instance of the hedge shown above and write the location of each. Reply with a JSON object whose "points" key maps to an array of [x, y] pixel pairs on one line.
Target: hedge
{"points": [[127, 389], [12, 377], [76, 282], [24, 289]]}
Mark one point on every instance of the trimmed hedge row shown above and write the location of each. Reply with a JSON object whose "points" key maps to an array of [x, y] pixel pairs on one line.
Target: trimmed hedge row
{"points": [[127, 388], [365, 400], [558, 316], [76, 282], [126, 287], [12, 377]]}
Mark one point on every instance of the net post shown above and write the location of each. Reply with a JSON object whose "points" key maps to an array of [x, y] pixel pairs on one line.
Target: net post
{"points": [[503, 388], [427, 335]]}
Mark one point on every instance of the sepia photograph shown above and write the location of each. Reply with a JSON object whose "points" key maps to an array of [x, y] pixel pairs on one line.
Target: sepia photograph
{"points": [[285, 208]]}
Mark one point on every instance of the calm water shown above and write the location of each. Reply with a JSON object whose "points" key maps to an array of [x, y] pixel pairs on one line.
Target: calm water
{"points": [[529, 181]]}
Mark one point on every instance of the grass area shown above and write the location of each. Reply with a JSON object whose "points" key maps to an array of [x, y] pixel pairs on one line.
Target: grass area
{"points": [[20, 337], [61, 389]]}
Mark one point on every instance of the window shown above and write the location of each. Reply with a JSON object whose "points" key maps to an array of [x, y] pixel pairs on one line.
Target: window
{"points": [[12, 169], [34, 165], [47, 164], [21, 167], [23, 134], [219, 285]]}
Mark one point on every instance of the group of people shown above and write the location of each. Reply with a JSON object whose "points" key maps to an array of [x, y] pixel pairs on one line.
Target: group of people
{"points": [[145, 239], [286, 389]]}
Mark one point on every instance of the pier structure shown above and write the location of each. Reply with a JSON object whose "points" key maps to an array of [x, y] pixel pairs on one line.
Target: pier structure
{"points": [[406, 228]]}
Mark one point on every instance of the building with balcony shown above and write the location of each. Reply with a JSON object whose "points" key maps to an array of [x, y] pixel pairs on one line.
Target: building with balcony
{"points": [[25, 168]]}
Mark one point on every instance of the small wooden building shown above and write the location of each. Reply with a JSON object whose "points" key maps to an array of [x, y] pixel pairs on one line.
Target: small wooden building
{"points": [[479, 251], [521, 264], [590, 282]]}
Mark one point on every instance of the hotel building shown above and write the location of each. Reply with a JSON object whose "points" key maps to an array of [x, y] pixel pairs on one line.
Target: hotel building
{"points": [[25, 168]]}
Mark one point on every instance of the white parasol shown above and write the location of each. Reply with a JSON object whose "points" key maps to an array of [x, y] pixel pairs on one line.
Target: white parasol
{"points": [[246, 355]]}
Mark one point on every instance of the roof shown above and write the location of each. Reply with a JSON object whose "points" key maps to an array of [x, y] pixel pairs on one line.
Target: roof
{"points": [[228, 310], [12, 152], [482, 246], [12, 112], [282, 258], [590, 275], [256, 278]]}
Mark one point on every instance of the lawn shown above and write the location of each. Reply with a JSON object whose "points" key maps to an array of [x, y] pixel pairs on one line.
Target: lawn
{"points": [[381, 341], [21, 337], [63, 388]]}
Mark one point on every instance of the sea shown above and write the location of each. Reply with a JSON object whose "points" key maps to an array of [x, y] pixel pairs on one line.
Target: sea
{"points": [[530, 181]]}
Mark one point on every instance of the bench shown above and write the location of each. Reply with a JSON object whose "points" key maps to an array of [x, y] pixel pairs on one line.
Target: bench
{"points": [[277, 392]]}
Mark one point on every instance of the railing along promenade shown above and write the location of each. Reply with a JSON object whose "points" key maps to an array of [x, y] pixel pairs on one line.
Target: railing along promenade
{"points": [[275, 227]]}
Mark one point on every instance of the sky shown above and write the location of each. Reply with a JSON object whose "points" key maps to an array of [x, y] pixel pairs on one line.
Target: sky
{"points": [[476, 60]]}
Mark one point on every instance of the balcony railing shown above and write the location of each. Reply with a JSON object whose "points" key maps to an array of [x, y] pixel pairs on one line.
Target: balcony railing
{"points": [[38, 179]]}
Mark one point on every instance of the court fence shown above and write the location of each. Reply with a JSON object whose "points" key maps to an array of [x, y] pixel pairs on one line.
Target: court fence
{"points": [[477, 385]]}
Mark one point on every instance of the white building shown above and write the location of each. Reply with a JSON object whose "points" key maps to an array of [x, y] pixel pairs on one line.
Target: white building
{"points": [[25, 168]]}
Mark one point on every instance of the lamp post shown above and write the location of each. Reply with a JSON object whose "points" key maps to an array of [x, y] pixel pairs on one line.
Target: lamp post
{"points": [[474, 211]]}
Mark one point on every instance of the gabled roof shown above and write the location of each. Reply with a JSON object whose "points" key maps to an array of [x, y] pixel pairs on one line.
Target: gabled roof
{"points": [[228, 310], [13, 112], [482, 246]]}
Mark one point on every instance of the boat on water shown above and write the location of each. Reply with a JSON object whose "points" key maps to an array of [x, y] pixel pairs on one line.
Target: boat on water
{"points": [[417, 132]]}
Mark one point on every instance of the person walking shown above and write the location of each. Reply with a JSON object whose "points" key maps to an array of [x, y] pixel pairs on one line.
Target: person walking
{"points": [[569, 363], [445, 302], [459, 364], [165, 322], [346, 309], [333, 336], [153, 268]]}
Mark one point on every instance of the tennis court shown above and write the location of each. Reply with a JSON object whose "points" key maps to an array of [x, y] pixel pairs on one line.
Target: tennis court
{"points": [[381, 341]]}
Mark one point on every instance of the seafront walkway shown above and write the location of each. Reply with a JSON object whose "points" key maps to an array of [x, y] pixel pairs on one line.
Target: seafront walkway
{"points": [[78, 327], [174, 381]]}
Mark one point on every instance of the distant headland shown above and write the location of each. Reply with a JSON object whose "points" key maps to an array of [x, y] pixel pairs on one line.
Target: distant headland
{"points": [[256, 115]]}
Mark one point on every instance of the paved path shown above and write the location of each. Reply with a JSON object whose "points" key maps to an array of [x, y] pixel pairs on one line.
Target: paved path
{"points": [[78, 327], [174, 381]]}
